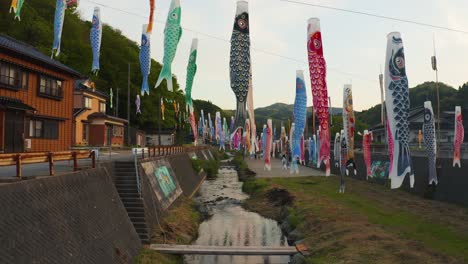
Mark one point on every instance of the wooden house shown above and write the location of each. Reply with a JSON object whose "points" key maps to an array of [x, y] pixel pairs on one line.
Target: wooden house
{"points": [[92, 125], [36, 99]]}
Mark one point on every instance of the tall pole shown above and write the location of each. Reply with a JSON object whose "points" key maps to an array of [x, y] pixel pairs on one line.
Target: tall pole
{"points": [[159, 119], [382, 109], [434, 67], [128, 106], [313, 120], [117, 104]]}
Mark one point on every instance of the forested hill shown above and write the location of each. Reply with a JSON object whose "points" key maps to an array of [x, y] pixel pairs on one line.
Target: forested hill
{"points": [[36, 28], [449, 98]]}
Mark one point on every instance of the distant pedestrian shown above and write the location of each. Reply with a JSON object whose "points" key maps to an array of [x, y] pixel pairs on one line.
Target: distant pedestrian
{"points": [[284, 162]]}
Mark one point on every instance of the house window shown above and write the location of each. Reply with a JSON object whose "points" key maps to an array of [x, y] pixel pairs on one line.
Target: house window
{"points": [[85, 132], [35, 129], [50, 87], [102, 107], [88, 102], [42, 128], [13, 76], [118, 131]]}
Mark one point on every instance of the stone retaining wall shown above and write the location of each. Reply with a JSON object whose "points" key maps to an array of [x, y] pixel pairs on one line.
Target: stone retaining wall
{"points": [[75, 218]]}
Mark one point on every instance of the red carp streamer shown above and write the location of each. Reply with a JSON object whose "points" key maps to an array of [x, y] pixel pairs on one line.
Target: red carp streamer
{"points": [[317, 69], [151, 17], [366, 143]]}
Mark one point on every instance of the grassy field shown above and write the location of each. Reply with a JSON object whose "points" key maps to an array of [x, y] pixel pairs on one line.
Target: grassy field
{"points": [[180, 226], [367, 224]]}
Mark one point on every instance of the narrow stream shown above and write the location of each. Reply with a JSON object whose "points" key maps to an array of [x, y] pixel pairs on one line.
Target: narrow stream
{"points": [[231, 225]]}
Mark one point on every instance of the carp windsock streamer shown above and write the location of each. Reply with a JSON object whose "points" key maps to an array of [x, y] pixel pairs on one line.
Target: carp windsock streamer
{"points": [[240, 60], [348, 126], [458, 136], [430, 141], [397, 104], [300, 111], [317, 69]]}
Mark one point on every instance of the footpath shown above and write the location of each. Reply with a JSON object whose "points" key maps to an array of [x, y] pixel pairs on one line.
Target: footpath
{"points": [[277, 171]]}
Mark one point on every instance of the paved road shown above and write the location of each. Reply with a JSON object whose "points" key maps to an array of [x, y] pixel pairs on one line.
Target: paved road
{"points": [[276, 170], [61, 167]]}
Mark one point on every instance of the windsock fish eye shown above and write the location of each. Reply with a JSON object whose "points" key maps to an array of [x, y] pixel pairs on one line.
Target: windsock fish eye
{"points": [[315, 43], [242, 22], [400, 62], [397, 65], [427, 115]]}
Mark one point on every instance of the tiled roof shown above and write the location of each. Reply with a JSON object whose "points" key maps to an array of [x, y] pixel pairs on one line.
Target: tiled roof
{"points": [[78, 111], [82, 85], [109, 117], [29, 51], [11, 103]]}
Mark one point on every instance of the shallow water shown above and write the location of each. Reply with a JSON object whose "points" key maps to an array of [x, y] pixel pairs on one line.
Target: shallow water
{"points": [[231, 225]]}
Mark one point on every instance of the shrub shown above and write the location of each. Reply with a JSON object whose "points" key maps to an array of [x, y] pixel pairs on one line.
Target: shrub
{"points": [[210, 167]]}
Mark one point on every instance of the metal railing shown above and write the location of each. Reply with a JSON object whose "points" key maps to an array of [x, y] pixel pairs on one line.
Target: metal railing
{"points": [[135, 159], [160, 151], [18, 159]]}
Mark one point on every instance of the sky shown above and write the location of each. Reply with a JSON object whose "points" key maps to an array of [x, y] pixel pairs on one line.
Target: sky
{"points": [[354, 45]]}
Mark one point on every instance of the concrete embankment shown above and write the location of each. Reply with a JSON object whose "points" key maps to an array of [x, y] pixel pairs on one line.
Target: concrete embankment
{"points": [[80, 217], [75, 218]]}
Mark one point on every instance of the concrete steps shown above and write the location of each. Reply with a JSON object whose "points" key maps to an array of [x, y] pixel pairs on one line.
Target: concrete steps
{"points": [[127, 187]]}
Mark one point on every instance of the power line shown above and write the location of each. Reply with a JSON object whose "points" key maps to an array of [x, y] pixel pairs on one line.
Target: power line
{"points": [[271, 53], [378, 16]]}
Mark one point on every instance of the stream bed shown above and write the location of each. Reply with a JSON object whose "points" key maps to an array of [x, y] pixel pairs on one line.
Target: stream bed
{"points": [[232, 225]]}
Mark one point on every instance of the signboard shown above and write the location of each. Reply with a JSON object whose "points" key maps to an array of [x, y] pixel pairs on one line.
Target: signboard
{"points": [[380, 169], [163, 181]]}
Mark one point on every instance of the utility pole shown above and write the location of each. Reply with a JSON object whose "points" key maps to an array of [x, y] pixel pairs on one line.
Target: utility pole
{"points": [[382, 115], [434, 67], [159, 119], [117, 104], [128, 106], [313, 120]]}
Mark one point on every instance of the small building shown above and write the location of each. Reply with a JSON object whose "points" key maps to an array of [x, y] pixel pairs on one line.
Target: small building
{"points": [[92, 126], [36, 99], [167, 138], [137, 137], [416, 120]]}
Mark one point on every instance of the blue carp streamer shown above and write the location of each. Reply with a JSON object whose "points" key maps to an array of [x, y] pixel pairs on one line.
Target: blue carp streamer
{"points": [[59, 17], [145, 59], [300, 112], [96, 36]]}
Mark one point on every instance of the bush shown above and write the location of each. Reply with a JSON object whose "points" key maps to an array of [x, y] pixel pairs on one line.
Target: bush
{"points": [[253, 187], [293, 218], [209, 166]]}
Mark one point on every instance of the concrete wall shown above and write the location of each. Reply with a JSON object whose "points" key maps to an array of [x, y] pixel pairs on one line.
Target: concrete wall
{"points": [[188, 180], [76, 218], [453, 182]]}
